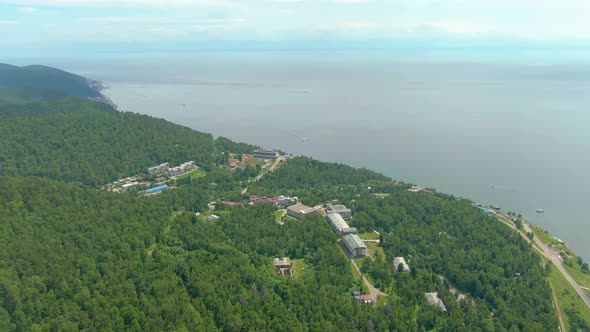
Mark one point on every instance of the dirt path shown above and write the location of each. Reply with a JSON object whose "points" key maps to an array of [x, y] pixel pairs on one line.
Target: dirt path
{"points": [[557, 307]]}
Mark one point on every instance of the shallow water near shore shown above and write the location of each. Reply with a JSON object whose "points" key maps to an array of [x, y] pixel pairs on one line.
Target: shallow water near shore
{"points": [[515, 136]]}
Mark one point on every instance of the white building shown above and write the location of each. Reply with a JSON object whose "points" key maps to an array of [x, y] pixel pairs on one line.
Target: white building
{"points": [[339, 225], [162, 168], [434, 300], [397, 261], [183, 168]]}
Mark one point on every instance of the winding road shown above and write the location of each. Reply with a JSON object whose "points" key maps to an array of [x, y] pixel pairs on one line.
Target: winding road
{"points": [[552, 256]]}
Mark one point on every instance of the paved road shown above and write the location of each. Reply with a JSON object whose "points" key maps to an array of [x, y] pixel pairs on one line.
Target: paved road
{"points": [[280, 159], [271, 169], [373, 292], [551, 255]]}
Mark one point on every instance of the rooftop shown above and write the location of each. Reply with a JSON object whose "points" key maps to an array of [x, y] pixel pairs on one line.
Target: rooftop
{"points": [[265, 151], [337, 208], [300, 208], [281, 261], [434, 300], [337, 220], [353, 241], [230, 203]]}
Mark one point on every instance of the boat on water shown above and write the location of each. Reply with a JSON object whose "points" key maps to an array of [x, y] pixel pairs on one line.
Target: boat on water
{"points": [[540, 210]]}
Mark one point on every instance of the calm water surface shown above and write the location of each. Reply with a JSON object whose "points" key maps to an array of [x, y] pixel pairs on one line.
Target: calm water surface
{"points": [[516, 136]]}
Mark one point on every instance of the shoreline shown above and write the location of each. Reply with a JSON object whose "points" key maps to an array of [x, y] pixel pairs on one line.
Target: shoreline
{"points": [[99, 87], [103, 87], [561, 258]]}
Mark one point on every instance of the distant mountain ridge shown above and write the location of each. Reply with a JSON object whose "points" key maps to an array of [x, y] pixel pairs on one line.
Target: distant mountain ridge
{"points": [[45, 83]]}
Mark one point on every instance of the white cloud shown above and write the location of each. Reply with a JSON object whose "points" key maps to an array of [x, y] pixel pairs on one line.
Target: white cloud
{"points": [[27, 10], [2, 22], [107, 3], [162, 20], [349, 1]]}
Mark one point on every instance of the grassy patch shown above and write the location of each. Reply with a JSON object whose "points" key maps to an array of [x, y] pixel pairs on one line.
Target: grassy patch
{"points": [[299, 267], [278, 214], [369, 236], [374, 248], [575, 269], [542, 235], [379, 195], [289, 218], [567, 297], [583, 279], [195, 173]]}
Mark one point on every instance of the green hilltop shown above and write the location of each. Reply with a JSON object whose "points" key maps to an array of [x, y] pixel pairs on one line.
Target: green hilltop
{"points": [[45, 82]]}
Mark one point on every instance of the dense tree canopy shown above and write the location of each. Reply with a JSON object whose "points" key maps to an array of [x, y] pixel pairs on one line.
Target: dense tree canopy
{"points": [[76, 258], [88, 142]]}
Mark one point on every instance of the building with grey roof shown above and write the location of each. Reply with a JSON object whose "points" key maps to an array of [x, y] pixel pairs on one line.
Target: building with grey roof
{"points": [[349, 230], [337, 222], [265, 154], [162, 168], [283, 266], [342, 210], [397, 261], [355, 246]]}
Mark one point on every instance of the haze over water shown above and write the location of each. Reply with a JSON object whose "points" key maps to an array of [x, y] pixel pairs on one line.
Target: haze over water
{"points": [[515, 136]]}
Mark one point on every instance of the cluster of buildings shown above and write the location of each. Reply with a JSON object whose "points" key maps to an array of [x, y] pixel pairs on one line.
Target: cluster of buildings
{"points": [[235, 164], [123, 185], [158, 169], [366, 299], [415, 189], [336, 215], [348, 235], [172, 171], [281, 200]]}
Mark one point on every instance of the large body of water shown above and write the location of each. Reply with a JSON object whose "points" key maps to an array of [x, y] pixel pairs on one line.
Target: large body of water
{"points": [[512, 135]]}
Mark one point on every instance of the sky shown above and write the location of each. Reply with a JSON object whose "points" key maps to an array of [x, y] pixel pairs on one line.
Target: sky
{"points": [[77, 25]]}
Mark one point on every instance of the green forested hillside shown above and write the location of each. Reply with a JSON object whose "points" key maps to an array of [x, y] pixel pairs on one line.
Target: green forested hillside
{"points": [[88, 142], [47, 79], [442, 237], [75, 258], [20, 95]]}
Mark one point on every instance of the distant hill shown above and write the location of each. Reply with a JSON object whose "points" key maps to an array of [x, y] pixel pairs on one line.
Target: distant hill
{"points": [[19, 85]]}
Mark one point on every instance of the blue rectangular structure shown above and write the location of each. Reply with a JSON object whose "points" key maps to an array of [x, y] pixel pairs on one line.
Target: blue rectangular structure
{"points": [[158, 188]]}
